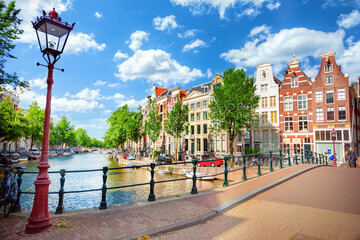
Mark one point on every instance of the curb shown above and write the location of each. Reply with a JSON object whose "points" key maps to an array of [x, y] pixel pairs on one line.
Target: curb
{"points": [[216, 211]]}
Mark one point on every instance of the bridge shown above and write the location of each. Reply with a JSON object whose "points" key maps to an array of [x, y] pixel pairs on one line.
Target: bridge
{"points": [[91, 150]]}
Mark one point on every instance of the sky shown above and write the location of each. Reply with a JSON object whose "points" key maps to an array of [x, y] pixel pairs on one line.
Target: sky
{"points": [[119, 49]]}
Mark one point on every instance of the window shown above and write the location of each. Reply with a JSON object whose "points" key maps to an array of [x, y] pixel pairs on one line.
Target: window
{"points": [[204, 115], [273, 101], [175, 99], [319, 115], [294, 82], [289, 127], [205, 144], [206, 89], [329, 79], [318, 96], [330, 114], [329, 96], [341, 93], [264, 87], [263, 75], [218, 143], [192, 117], [205, 128], [346, 135], [264, 117], [198, 116], [342, 113], [288, 103], [303, 123], [302, 102], [198, 145], [204, 104], [223, 142], [328, 68], [198, 129], [192, 129], [273, 117], [161, 108], [192, 106], [198, 105], [264, 102]]}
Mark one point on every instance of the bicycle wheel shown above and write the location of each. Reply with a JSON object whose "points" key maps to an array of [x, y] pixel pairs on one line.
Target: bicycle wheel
{"points": [[9, 200]]}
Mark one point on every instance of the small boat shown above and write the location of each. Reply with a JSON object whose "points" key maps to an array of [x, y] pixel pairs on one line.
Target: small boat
{"points": [[163, 171], [33, 156], [200, 176]]}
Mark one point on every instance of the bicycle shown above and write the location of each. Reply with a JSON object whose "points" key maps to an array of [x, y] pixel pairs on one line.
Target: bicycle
{"points": [[9, 189]]}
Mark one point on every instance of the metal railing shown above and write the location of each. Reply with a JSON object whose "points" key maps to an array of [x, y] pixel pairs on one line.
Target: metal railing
{"points": [[258, 160]]}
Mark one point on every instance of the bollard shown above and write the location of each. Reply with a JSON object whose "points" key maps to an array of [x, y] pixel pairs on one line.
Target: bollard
{"points": [[258, 171], [271, 166], [60, 207], [244, 178], [320, 159], [280, 160], [289, 161], [312, 157], [194, 189], [152, 183], [296, 162], [17, 207], [302, 156], [326, 160], [307, 156], [317, 160], [103, 204], [226, 183]]}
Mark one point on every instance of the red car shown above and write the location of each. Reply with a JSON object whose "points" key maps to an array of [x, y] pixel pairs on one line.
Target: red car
{"points": [[125, 156], [213, 163]]}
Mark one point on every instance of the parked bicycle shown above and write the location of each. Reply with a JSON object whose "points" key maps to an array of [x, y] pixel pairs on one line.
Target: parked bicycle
{"points": [[9, 188]]}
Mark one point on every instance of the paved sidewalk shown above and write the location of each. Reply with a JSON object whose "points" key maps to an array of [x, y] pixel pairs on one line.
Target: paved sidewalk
{"points": [[164, 215]]}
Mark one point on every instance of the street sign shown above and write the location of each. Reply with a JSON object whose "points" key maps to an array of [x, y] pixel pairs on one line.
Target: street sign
{"points": [[329, 151]]}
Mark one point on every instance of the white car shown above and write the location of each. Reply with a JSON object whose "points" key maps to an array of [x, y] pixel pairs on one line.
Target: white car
{"points": [[35, 151], [131, 157]]}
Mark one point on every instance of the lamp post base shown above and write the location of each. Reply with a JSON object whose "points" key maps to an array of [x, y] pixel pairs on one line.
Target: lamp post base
{"points": [[36, 227]]}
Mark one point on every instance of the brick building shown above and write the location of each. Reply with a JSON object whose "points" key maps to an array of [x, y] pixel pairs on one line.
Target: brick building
{"points": [[296, 113]]}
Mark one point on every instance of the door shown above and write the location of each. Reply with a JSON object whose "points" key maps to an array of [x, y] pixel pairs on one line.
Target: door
{"points": [[192, 147]]}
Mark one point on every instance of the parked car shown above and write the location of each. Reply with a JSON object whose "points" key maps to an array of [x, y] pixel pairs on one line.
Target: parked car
{"points": [[34, 151], [8, 157], [212, 161], [163, 160], [131, 157], [125, 156]]}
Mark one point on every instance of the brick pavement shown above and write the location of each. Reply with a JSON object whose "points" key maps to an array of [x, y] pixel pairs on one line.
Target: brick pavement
{"points": [[129, 221]]}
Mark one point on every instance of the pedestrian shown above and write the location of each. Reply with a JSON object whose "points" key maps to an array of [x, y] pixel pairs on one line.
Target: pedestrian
{"points": [[333, 157], [352, 157]]}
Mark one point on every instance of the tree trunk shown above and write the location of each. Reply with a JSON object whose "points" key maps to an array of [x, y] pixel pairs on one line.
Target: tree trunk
{"points": [[231, 152], [153, 152], [32, 142], [242, 142], [176, 148]]}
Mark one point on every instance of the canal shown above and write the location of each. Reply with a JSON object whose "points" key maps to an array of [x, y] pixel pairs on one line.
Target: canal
{"points": [[93, 180]]}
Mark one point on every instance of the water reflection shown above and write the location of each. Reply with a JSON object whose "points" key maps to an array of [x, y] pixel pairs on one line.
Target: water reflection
{"points": [[93, 180]]}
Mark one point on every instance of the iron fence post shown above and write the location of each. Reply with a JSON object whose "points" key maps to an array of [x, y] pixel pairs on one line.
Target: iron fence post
{"points": [[194, 189], [244, 178], [307, 156], [17, 207], [103, 204], [289, 160], [317, 159], [271, 163], [60, 207], [258, 171], [152, 183], [302, 156], [326, 160], [280, 160], [312, 157], [320, 159], [296, 162], [226, 183]]}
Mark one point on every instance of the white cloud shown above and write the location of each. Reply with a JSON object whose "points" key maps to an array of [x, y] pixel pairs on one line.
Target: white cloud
{"points": [[251, 7], [349, 61], [305, 42], [87, 94], [113, 84], [260, 29], [188, 33], [156, 66], [99, 83], [39, 83], [136, 40], [132, 103], [119, 55], [165, 23], [209, 73], [98, 15], [349, 20], [98, 123], [115, 96], [195, 44], [78, 42]]}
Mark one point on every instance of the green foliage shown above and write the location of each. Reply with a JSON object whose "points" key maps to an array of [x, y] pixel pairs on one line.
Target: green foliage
{"points": [[134, 126], [116, 134], [9, 32], [153, 125], [176, 121], [81, 138], [63, 133], [234, 104], [35, 123]]}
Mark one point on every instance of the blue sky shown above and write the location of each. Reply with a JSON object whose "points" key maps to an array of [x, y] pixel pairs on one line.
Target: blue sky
{"points": [[119, 48]]}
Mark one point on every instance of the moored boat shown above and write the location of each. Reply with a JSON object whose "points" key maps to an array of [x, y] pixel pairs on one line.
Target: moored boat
{"points": [[200, 176], [33, 156]]}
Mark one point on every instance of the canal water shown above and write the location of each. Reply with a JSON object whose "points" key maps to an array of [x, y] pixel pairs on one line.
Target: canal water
{"points": [[93, 180]]}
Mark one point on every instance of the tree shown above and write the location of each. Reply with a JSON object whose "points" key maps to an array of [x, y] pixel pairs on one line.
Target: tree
{"points": [[9, 32], [35, 123], [64, 133], [234, 104], [116, 134], [153, 125], [134, 125], [81, 138], [176, 121]]}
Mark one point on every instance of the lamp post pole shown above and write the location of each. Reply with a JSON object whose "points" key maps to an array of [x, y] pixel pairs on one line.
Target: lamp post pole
{"points": [[333, 135]]}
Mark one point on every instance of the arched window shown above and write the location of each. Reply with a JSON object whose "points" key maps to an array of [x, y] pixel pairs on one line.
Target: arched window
{"points": [[264, 75]]}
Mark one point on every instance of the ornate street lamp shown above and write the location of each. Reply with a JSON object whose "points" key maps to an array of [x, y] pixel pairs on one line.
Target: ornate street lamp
{"points": [[333, 136], [52, 35]]}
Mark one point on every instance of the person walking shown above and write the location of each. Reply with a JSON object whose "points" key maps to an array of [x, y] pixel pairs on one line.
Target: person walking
{"points": [[333, 157], [352, 157]]}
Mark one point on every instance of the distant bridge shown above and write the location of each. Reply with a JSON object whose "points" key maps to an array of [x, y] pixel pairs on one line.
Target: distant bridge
{"points": [[91, 150]]}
